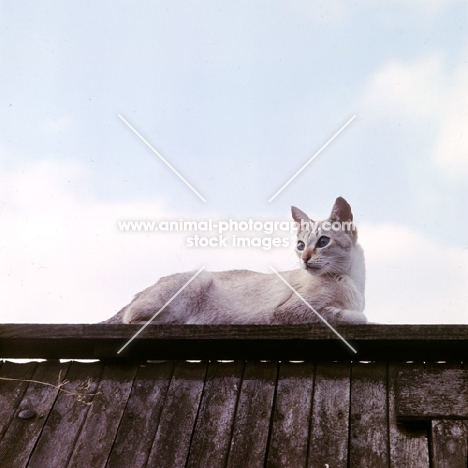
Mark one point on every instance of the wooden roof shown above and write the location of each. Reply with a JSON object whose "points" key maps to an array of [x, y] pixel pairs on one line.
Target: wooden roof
{"points": [[123, 411]]}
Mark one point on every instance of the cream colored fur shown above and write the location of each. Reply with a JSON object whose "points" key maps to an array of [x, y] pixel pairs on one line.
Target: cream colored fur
{"points": [[331, 279]]}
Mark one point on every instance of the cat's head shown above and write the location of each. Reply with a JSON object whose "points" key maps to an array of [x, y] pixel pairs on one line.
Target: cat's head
{"points": [[325, 247]]}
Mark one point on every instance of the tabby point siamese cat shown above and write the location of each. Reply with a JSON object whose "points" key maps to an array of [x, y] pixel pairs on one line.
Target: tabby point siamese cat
{"points": [[331, 279]]}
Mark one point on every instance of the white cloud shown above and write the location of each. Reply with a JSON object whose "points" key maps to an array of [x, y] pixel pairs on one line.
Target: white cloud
{"points": [[411, 278], [451, 146], [411, 90], [431, 98]]}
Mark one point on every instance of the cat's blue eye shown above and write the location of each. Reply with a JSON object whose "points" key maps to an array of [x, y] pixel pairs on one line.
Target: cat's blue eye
{"points": [[322, 242], [300, 245]]}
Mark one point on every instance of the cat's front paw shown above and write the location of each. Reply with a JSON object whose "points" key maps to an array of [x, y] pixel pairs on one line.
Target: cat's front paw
{"points": [[351, 316], [338, 315]]}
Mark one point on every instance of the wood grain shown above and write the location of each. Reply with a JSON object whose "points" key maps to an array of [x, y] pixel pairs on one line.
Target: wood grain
{"points": [[64, 422], [330, 427], [141, 417], [432, 394], [451, 333], [12, 391], [212, 435], [409, 444], [253, 416], [20, 438], [369, 416], [291, 415], [177, 421], [449, 443], [97, 435]]}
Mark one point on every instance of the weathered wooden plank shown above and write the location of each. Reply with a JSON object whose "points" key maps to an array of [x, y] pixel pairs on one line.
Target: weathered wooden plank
{"points": [[12, 391], [172, 441], [253, 415], [210, 443], [330, 411], [449, 447], [296, 342], [448, 437], [291, 415], [141, 417], [409, 444], [21, 436], [366, 332], [98, 432], [369, 416], [432, 394], [55, 445]]}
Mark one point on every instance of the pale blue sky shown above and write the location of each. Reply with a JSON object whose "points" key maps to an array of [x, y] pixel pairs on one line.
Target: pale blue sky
{"points": [[237, 96]]}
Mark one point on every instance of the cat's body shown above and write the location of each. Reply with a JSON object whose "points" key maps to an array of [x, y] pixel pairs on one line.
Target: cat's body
{"points": [[331, 280]]}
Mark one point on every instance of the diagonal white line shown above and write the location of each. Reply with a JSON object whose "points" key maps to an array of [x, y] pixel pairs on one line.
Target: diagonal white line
{"points": [[161, 158], [161, 309], [312, 158], [312, 309]]}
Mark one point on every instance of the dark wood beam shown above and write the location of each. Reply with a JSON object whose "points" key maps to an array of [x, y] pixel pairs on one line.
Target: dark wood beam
{"points": [[294, 342]]}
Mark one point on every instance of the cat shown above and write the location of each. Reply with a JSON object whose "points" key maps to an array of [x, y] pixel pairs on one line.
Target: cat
{"points": [[331, 279]]}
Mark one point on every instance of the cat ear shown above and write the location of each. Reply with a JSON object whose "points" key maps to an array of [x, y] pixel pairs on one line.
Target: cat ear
{"points": [[341, 211], [298, 215], [301, 219]]}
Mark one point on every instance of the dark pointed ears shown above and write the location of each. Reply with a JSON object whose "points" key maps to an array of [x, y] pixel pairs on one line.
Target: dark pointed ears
{"points": [[341, 211], [298, 215]]}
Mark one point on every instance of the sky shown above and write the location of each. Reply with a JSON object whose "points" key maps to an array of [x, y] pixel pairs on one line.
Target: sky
{"points": [[237, 97]]}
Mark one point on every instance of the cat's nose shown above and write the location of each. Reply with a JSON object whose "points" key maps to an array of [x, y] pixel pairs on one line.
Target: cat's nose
{"points": [[306, 257]]}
